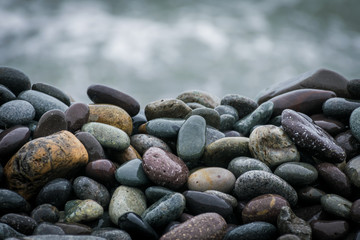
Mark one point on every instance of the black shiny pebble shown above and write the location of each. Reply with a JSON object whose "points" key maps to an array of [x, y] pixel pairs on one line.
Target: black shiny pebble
{"points": [[12, 202], [92, 146], [14, 80], [45, 213], [22, 224], [136, 227], [6, 95], [55, 192], [50, 122], [46, 228], [52, 91]]}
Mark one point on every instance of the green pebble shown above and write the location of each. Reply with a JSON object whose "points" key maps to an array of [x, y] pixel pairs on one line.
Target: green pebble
{"points": [[297, 173], [164, 127], [132, 174], [86, 210], [336, 205]]}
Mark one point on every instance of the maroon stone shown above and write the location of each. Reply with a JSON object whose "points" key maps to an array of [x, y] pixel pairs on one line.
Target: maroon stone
{"points": [[92, 146], [50, 122], [11, 140], [332, 126], [76, 116], [102, 170], [349, 143], [326, 230]]}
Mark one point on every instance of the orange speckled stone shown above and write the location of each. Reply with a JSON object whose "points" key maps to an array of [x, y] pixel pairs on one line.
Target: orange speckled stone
{"points": [[112, 115], [42, 160]]}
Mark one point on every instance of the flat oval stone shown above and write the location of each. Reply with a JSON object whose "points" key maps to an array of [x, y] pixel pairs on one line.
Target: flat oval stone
{"points": [[102, 170], [227, 197], [254, 230], [349, 143], [240, 165], [52, 91], [86, 210], [23, 224], [164, 127], [311, 137], [164, 168], [154, 193], [353, 88], [354, 123], [272, 145], [126, 199], [255, 183], [55, 192], [50, 122], [6, 95], [42, 102], [330, 125], [289, 223], [76, 116], [14, 80], [355, 211], [45, 213], [324, 229], [310, 194], [191, 139], [340, 107], [222, 151], [17, 112], [261, 115], [86, 188], [169, 108], [165, 210], [242, 104], [92, 146], [111, 234], [46, 228], [142, 142], [103, 94], [11, 140], [7, 232], [200, 97], [201, 227], [211, 116], [42, 160], [336, 205], [211, 178], [136, 227], [212, 135], [107, 135], [352, 171], [132, 174], [297, 173]]}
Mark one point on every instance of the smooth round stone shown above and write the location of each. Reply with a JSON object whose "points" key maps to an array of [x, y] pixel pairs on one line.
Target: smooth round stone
{"points": [[165, 210], [132, 174], [201, 202], [334, 178], [55, 192], [42, 102], [101, 170], [212, 135], [240, 165], [352, 171], [211, 116], [124, 156], [126, 199], [93, 147], [253, 231], [311, 137], [142, 142], [7, 232], [255, 183], [222, 151], [227, 109], [242, 104], [6, 95], [201, 227], [289, 223], [355, 123], [42, 160], [74, 228], [169, 108], [227, 197], [336, 205], [133, 224], [46, 228], [355, 211], [227, 122], [211, 178], [200, 97], [86, 210], [107, 135], [103, 94], [164, 168], [329, 230], [310, 194], [271, 145], [111, 234], [191, 139], [297, 173], [14, 80], [76, 116], [11, 140], [16, 112], [45, 213], [11, 201], [332, 126], [353, 87], [340, 107], [52, 91], [349, 143], [50, 122], [154, 193], [22, 224], [86, 188], [261, 115], [164, 127]]}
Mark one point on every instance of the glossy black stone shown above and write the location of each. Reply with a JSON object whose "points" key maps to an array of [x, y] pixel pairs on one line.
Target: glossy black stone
{"points": [[46, 228], [136, 227], [93, 147], [55, 192], [52, 91], [20, 223], [6, 95], [45, 213], [12, 202], [14, 80]]}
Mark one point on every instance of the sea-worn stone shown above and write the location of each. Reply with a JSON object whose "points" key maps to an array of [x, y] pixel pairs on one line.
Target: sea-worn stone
{"points": [[354, 123], [164, 168], [253, 231], [86, 210], [227, 109], [201, 97], [142, 142], [212, 135], [297, 173], [240, 165], [22, 224], [111, 234], [349, 143], [154, 193], [138, 120], [42, 160], [50, 122], [165, 210], [92, 146], [126, 199], [16, 112], [211, 178], [42, 102], [87, 188], [255, 183], [107, 135], [45, 213], [211, 116], [242, 104], [310, 194], [227, 122], [288, 222], [124, 156], [76, 116], [271, 145], [352, 171], [6, 95], [14, 79], [52, 91], [132, 174], [46, 228], [103, 94], [133, 224], [336, 205], [340, 108], [330, 125], [227, 197], [329, 230], [55, 192], [11, 140], [8, 232], [222, 151], [164, 127], [355, 211], [194, 105], [261, 115], [74, 228], [311, 137], [353, 88], [201, 227], [169, 108], [102, 171]]}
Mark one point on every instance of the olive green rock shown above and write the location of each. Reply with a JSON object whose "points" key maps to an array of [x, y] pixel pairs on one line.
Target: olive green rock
{"points": [[297, 173], [169, 108], [85, 210], [336, 205], [240, 165]]}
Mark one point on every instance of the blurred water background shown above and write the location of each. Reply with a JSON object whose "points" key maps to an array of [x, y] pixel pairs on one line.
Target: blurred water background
{"points": [[160, 48]]}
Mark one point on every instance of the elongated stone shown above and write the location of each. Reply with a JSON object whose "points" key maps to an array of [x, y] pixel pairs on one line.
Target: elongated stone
{"points": [[8, 232], [227, 197], [16, 112], [240, 165], [330, 125], [46, 228], [10, 201], [349, 143], [92, 146], [325, 229], [45, 213], [310, 194], [200, 97], [336, 205], [11, 140], [253, 231], [142, 142], [354, 123], [103, 171], [76, 116], [52, 91], [297, 173], [111, 234], [14, 79], [169, 108], [20, 223], [86, 210], [154, 193], [340, 107], [227, 109], [164, 127]]}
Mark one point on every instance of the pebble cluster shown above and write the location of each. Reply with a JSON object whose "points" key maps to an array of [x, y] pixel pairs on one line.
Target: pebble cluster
{"points": [[286, 166]]}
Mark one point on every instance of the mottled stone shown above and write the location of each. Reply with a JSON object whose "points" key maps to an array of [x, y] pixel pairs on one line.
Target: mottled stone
{"points": [[352, 171], [311, 137], [42, 160], [355, 211], [8, 232], [45, 213], [46, 228], [87, 188], [102, 170], [92, 146], [133, 224], [354, 123], [50, 122], [55, 192], [154, 193], [164, 168], [288, 222], [132, 174], [6, 95], [212, 135], [255, 183], [52, 91], [329, 230], [227, 197], [353, 88], [253, 231], [297, 173], [211, 116], [336, 205], [164, 127], [14, 80], [330, 125], [169, 108], [310, 194], [201, 97], [76, 116], [11, 140], [22, 224], [111, 234], [142, 142], [240, 165], [211, 178], [10, 201], [16, 112], [242, 104], [201, 227], [349, 143], [86, 210]]}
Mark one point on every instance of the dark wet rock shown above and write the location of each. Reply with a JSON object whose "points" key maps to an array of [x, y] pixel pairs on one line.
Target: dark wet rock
{"points": [[45, 213], [132, 174], [349, 143], [136, 227], [233, 133], [6, 95], [14, 79], [50, 122], [297, 173], [138, 120], [240, 165], [340, 107], [227, 122], [310, 194], [16, 112], [111, 234], [52, 91], [154, 193], [354, 88], [352, 171], [170, 108], [289, 223], [74, 228], [12, 202], [93, 147], [87, 188], [355, 211], [46, 228], [227, 197], [200, 97], [55, 192], [211, 116], [11, 140], [253, 231], [8, 232], [336, 205], [22, 224], [354, 123], [142, 142], [242, 104], [330, 125], [76, 116], [102, 170], [329, 230], [164, 127]]}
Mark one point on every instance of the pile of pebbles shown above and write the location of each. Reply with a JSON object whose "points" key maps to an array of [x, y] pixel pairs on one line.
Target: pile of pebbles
{"points": [[286, 166]]}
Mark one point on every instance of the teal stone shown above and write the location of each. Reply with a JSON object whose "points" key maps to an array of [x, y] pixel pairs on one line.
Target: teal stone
{"points": [[226, 109], [355, 123], [16, 112], [108, 136], [191, 139], [212, 134], [297, 173], [211, 116], [253, 231], [352, 171], [8, 232], [154, 193], [227, 122], [85, 210], [242, 104], [226, 197], [240, 165], [165, 210], [132, 174], [339, 107], [336, 205], [259, 116], [164, 127]]}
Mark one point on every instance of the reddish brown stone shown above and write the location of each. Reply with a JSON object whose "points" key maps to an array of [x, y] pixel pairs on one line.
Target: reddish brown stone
{"points": [[332, 126], [50, 122], [11, 140], [101, 170], [76, 116]]}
